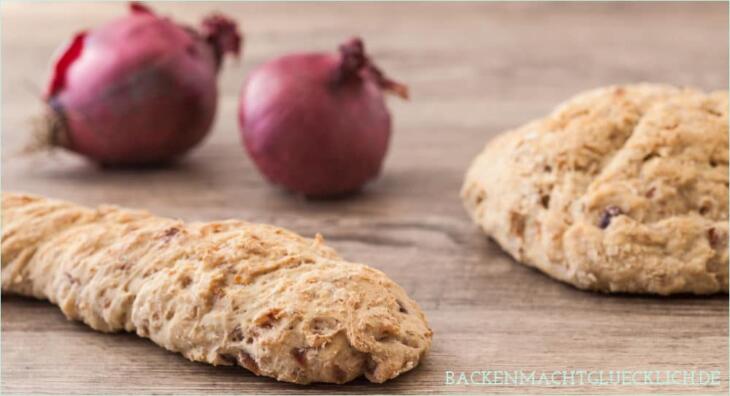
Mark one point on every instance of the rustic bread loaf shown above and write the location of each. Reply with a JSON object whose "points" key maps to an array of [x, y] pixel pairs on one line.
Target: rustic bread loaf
{"points": [[620, 189], [224, 293]]}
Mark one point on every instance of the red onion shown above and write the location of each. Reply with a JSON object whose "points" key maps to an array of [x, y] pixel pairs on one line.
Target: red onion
{"points": [[317, 123], [139, 90]]}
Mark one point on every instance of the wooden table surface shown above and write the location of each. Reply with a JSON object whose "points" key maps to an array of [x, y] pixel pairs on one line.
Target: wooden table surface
{"points": [[474, 70]]}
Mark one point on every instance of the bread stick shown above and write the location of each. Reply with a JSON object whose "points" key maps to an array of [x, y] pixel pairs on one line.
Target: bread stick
{"points": [[224, 293]]}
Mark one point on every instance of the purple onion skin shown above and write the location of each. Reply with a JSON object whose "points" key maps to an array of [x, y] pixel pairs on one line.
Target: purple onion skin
{"points": [[139, 90], [313, 129]]}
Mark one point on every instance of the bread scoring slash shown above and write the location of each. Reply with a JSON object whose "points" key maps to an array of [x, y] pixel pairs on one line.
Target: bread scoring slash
{"points": [[224, 293]]}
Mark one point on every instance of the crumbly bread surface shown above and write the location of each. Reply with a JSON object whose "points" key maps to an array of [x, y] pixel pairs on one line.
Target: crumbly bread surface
{"points": [[225, 293], [620, 189]]}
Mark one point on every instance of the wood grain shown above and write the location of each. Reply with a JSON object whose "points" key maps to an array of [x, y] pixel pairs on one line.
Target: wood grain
{"points": [[474, 69]]}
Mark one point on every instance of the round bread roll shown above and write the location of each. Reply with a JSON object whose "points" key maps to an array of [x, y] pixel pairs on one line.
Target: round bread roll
{"points": [[619, 189]]}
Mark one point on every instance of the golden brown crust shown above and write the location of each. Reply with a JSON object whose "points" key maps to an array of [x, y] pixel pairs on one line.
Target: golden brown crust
{"points": [[620, 189], [225, 292]]}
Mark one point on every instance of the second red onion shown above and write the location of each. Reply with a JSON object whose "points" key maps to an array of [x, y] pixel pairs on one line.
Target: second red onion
{"points": [[317, 123]]}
